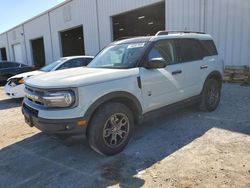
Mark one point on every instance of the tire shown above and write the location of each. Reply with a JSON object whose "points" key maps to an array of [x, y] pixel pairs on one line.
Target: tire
{"points": [[110, 128], [210, 97]]}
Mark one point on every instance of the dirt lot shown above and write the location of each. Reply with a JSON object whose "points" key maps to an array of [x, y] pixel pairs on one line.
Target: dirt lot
{"points": [[182, 149]]}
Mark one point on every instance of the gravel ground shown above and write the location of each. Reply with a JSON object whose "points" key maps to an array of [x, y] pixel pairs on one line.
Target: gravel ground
{"points": [[186, 148]]}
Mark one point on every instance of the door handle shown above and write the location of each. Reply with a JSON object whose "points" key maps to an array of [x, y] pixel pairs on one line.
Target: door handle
{"points": [[177, 72], [204, 66]]}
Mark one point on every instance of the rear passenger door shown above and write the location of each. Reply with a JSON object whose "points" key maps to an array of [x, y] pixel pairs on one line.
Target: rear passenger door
{"points": [[189, 57], [211, 61]]}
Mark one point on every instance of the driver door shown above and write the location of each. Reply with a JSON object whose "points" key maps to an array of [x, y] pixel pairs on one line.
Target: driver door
{"points": [[161, 87]]}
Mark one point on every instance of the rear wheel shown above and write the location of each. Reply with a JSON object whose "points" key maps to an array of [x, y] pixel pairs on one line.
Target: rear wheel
{"points": [[111, 128], [211, 94]]}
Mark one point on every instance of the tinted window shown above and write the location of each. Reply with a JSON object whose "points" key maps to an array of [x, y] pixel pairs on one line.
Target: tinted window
{"points": [[84, 61], [88, 60], [209, 47], [188, 50], [163, 50], [51, 66], [10, 65], [73, 63]]}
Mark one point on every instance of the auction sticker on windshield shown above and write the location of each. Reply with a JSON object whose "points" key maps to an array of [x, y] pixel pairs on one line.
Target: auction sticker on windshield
{"points": [[136, 45]]}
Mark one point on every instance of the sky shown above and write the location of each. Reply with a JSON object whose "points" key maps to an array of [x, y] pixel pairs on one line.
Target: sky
{"points": [[14, 12]]}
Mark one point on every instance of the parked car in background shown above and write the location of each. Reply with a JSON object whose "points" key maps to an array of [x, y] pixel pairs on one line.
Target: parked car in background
{"points": [[9, 69], [15, 85]]}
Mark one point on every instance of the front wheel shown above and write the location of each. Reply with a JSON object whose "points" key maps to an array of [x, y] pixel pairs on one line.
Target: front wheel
{"points": [[111, 128], [210, 97]]}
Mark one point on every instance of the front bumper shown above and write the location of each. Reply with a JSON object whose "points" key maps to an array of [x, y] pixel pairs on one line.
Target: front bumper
{"points": [[53, 126], [14, 91]]}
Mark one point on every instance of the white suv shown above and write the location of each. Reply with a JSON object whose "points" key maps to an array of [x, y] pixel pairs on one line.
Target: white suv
{"points": [[126, 81]]}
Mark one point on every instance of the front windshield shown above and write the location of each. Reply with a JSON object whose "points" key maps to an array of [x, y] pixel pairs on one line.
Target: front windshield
{"points": [[121, 56], [51, 66]]}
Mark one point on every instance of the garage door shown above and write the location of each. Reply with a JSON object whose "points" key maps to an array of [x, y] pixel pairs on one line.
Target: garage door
{"points": [[17, 50], [72, 42], [140, 22]]}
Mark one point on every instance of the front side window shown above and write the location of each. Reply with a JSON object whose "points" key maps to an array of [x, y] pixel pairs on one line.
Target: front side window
{"points": [[188, 50], [121, 56], [163, 50]]}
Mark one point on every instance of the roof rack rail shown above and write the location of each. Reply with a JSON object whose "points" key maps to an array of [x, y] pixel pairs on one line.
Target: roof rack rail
{"points": [[169, 32]]}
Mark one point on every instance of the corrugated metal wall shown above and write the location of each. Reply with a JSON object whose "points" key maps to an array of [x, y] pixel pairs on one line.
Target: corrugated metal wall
{"points": [[228, 21], [185, 15], [35, 29]]}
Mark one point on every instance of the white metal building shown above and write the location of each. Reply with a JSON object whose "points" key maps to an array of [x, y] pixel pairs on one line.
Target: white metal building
{"points": [[86, 26]]}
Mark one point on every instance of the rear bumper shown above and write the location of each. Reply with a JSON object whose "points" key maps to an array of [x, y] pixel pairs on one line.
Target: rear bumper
{"points": [[52, 126]]}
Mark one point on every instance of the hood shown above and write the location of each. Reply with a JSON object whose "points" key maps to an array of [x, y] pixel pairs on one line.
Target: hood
{"points": [[27, 74], [79, 77]]}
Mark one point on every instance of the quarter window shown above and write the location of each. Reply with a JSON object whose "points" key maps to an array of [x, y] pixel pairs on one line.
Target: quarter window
{"points": [[209, 47]]}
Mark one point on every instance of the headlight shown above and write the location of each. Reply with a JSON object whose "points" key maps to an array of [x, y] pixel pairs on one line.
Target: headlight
{"points": [[21, 81], [16, 81], [59, 99]]}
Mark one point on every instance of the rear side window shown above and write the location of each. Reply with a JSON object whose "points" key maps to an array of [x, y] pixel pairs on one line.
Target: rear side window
{"points": [[209, 47], [84, 61], [188, 50]]}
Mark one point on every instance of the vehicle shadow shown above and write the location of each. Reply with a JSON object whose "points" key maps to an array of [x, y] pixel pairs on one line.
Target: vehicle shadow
{"points": [[10, 103], [43, 161]]}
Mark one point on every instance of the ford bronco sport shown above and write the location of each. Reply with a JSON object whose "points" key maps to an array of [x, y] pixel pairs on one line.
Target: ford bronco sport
{"points": [[125, 81]]}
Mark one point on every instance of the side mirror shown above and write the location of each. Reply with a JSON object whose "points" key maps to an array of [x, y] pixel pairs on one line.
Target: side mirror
{"points": [[156, 63]]}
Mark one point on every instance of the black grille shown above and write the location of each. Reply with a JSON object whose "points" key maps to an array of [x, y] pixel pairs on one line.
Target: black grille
{"points": [[34, 95], [34, 90]]}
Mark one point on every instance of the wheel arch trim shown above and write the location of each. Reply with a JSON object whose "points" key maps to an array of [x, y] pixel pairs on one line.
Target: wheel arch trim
{"points": [[112, 97], [212, 75]]}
